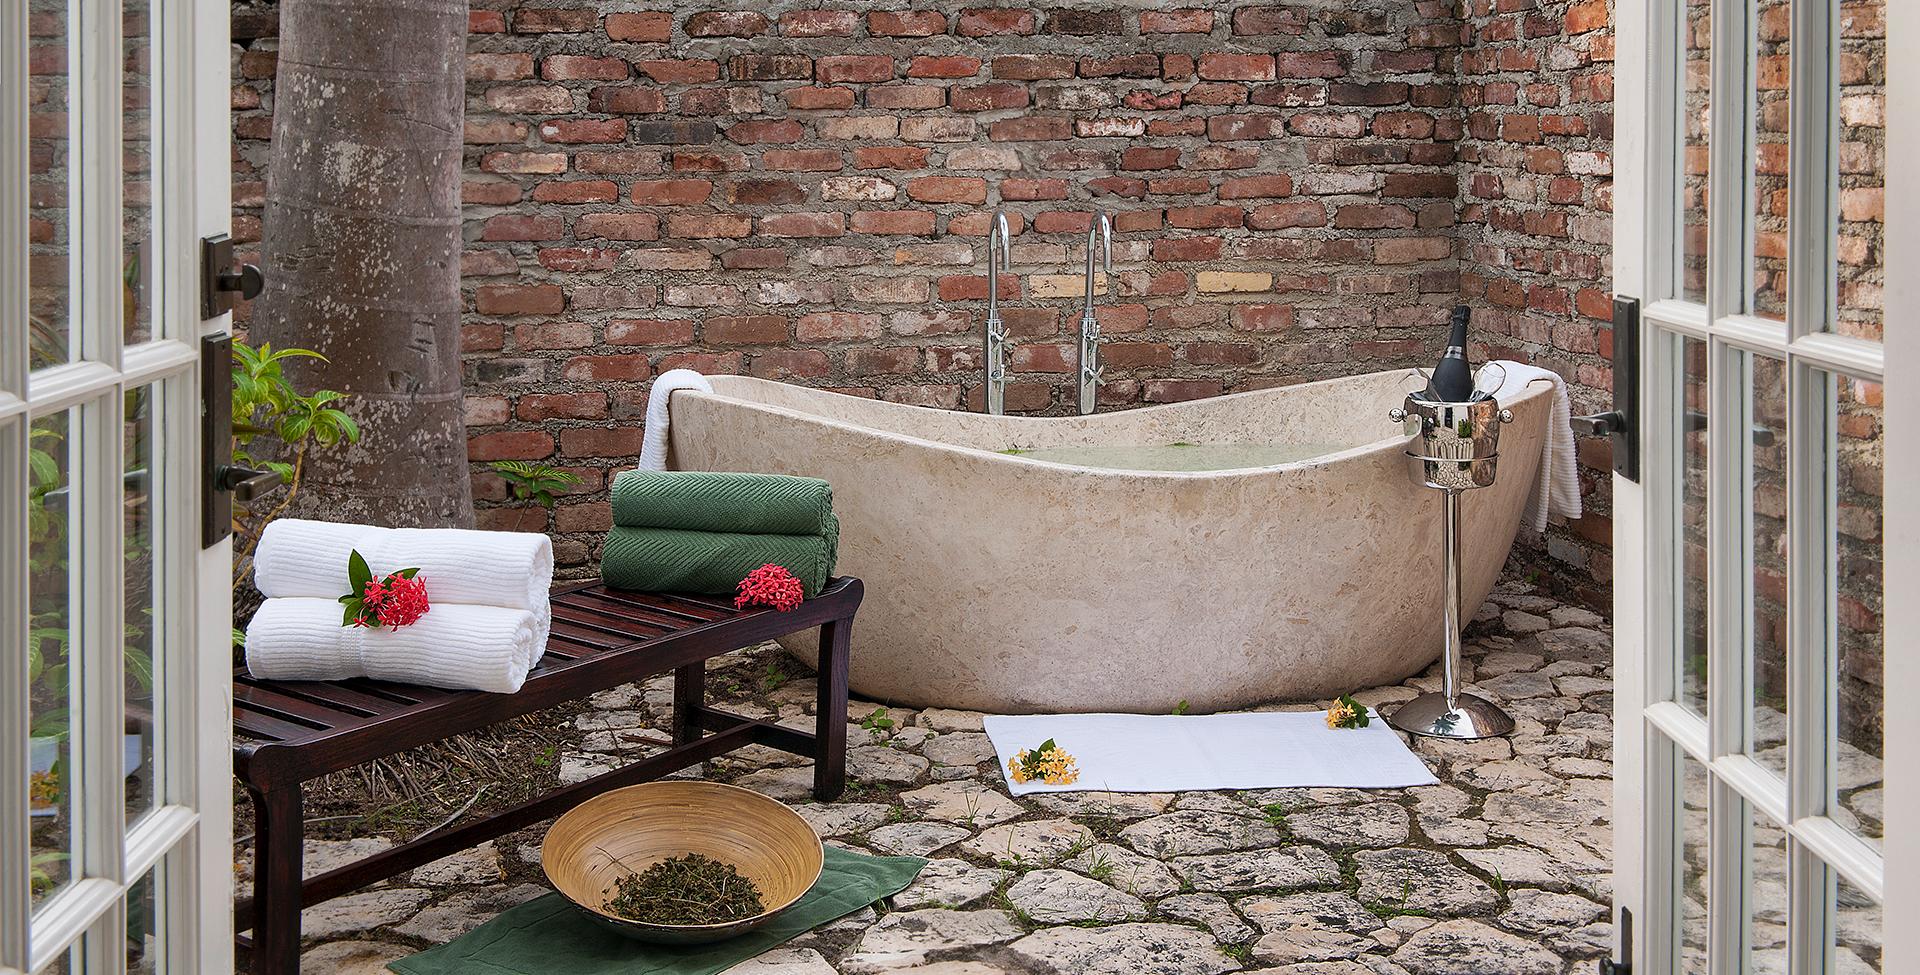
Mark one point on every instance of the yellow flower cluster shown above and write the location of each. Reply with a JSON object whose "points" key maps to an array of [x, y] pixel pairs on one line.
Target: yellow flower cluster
{"points": [[1347, 713], [43, 790], [1047, 763]]}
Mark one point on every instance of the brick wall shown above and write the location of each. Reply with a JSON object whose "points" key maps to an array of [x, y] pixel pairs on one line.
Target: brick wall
{"points": [[1536, 228], [802, 194]]}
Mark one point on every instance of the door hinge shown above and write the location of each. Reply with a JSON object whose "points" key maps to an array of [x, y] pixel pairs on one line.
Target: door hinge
{"points": [[224, 480], [220, 280], [1621, 424], [1609, 966]]}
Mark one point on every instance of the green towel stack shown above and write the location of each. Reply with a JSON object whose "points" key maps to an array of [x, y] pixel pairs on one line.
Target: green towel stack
{"points": [[700, 531]]}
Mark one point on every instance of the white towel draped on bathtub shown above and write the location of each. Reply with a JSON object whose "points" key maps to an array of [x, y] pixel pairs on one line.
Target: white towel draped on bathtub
{"points": [[653, 443], [1178, 753], [461, 647], [1557, 490], [297, 557]]}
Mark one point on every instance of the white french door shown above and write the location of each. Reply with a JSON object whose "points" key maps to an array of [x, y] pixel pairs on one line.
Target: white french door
{"points": [[1766, 222], [115, 815]]}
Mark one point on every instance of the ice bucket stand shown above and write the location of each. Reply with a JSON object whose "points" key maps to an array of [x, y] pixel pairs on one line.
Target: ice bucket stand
{"points": [[1454, 448]]}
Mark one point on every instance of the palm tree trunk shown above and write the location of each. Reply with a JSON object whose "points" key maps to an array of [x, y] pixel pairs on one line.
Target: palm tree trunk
{"points": [[362, 248]]}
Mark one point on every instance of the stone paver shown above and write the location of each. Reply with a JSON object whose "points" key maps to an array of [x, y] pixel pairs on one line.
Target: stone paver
{"points": [[1501, 869]]}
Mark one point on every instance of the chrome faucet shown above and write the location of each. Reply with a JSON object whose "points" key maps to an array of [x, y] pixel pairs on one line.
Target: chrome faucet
{"points": [[996, 346], [1100, 231]]}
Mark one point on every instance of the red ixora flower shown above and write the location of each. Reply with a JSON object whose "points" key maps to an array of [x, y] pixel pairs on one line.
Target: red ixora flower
{"points": [[770, 585], [396, 600]]}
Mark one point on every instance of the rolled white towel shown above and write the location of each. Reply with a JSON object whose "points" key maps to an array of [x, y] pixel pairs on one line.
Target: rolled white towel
{"points": [[653, 443], [455, 646], [297, 557], [1557, 489]]}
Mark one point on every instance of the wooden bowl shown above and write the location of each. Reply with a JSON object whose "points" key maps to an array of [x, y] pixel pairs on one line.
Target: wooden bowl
{"points": [[642, 825]]}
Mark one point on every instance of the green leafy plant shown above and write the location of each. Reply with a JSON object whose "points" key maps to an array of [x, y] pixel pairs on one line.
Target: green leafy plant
{"points": [[534, 482], [275, 426], [1181, 708], [1348, 713], [877, 721]]}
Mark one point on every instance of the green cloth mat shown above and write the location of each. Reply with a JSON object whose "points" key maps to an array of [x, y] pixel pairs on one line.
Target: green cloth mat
{"points": [[722, 501], [550, 936], [671, 560]]}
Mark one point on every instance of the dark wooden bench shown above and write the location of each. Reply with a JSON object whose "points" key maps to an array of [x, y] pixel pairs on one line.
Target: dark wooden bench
{"points": [[287, 733]]}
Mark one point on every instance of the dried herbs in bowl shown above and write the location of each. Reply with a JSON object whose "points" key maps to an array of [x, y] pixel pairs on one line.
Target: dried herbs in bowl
{"points": [[686, 890]]}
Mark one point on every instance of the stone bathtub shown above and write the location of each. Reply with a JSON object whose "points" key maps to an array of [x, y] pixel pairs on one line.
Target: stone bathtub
{"points": [[1001, 580]]}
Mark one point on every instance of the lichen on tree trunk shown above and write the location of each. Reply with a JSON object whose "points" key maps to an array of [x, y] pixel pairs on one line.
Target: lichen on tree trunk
{"points": [[362, 248]]}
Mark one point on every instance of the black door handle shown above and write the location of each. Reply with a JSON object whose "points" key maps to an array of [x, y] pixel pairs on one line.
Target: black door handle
{"points": [[248, 281], [245, 483]]}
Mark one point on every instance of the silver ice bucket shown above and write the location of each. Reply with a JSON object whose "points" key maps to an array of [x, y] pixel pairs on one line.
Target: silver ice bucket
{"points": [[1453, 446]]}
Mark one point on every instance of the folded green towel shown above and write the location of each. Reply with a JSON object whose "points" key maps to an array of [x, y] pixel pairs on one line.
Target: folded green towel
{"points": [[669, 560], [720, 501], [550, 936]]}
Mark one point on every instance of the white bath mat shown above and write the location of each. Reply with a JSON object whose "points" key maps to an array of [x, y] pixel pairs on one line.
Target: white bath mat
{"points": [[1179, 753]]}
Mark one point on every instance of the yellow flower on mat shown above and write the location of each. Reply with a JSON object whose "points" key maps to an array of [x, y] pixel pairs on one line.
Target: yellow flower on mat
{"points": [[1048, 763]]}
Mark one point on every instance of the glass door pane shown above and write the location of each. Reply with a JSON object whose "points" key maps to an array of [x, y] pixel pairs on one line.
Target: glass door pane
{"points": [[1862, 107], [1853, 449], [1856, 931], [137, 204], [1696, 123], [51, 187], [1768, 167], [139, 484], [52, 615], [1763, 441]]}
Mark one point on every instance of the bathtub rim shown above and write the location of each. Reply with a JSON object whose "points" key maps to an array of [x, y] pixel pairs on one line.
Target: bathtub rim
{"points": [[1393, 441]]}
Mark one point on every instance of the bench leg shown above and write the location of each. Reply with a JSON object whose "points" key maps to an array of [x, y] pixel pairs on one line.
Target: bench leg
{"points": [[278, 847], [830, 711], [689, 694]]}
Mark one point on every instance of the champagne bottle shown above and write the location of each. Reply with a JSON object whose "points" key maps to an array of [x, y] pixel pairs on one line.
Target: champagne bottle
{"points": [[1452, 377]]}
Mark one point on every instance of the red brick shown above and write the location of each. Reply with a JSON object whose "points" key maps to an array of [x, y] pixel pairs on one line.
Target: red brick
{"points": [[584, 130], [705, 226], [803, 224], [554, 20], [1184, 21], [671, 192], [519, 299], [948, 189], [726, 23], [1032, 67], [819, 23], [1235, 67], [906, 23], [948, 66], [996, 21], [523, 226], [1254, 187], [1277, 216], [509, 445], [889, 157], [853, 68], [908, 222], [626, 100], [802, 160], [758, 131], [579, 67], [667, 71], [815, 99], [648, 27], [576, 191], [1205, 218], [618, 226], [745, 329]]}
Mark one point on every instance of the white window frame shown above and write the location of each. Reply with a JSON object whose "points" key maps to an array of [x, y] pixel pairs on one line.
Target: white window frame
{"points": [[185, 839]]}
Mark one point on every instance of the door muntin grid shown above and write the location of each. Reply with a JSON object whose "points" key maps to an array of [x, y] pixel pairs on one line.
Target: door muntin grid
{"points": [[90, 209], [1788, 336]]}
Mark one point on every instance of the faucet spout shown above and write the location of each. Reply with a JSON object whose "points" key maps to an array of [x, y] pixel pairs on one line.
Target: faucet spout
{"points": [[1100, 241], [995, 351]]}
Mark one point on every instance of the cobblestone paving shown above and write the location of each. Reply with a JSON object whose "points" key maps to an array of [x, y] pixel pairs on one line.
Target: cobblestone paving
{"points": [[1501, 869]]}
